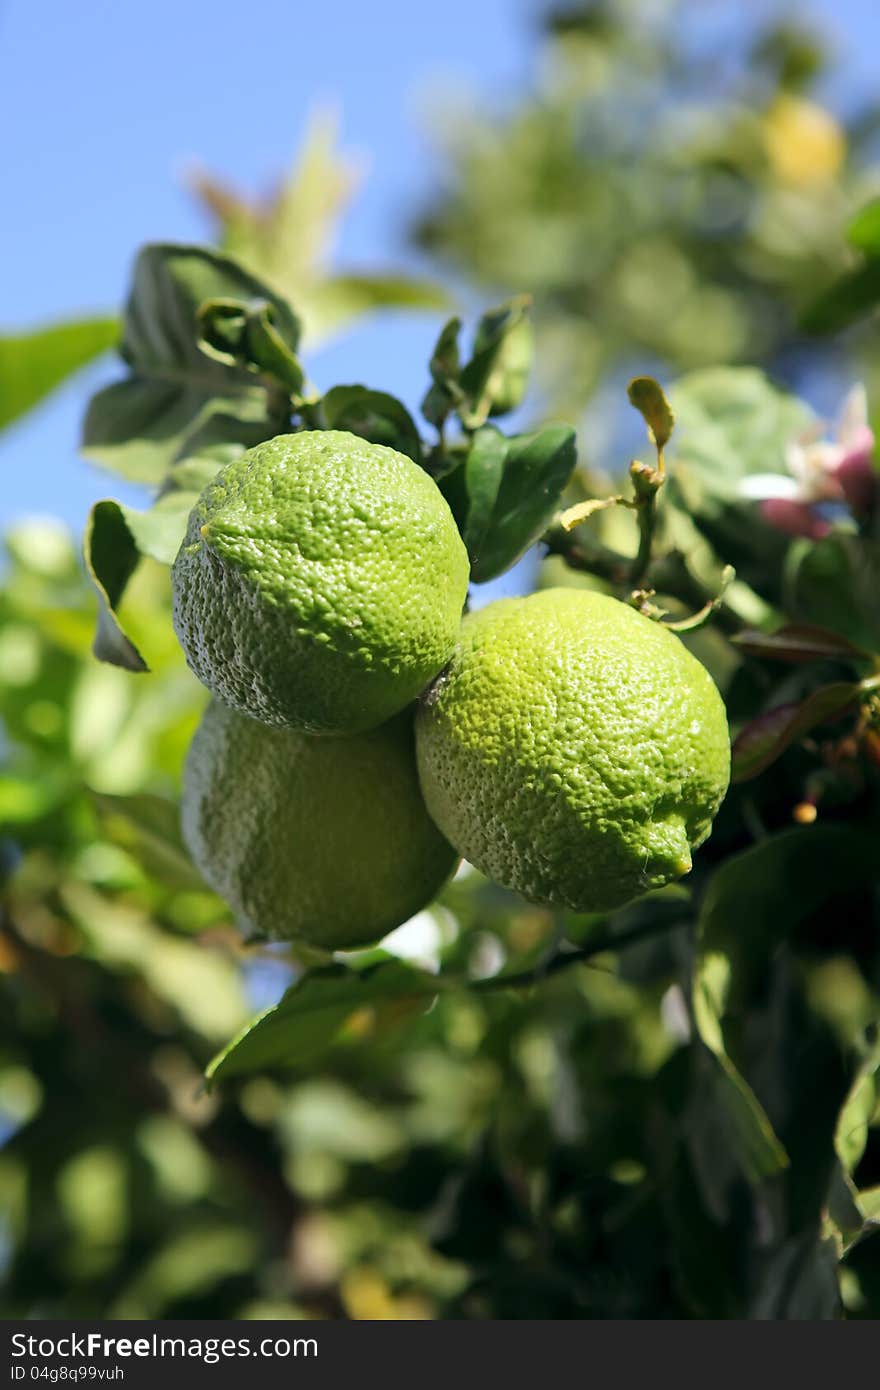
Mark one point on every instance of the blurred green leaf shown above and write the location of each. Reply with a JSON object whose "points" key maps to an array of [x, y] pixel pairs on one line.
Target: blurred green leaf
{"points": [[731, 421], [767, 736], [756, 904], [174, 391], [313, 1013], [863, 231], [836, 582], [33, 364], [111, 558], [373, 415], [799, 1283], [851, 298], [537, 468], [148, 827]]}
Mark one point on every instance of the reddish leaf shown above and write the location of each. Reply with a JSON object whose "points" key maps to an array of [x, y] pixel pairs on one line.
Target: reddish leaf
{"points": [[762, 741], [799, 642]]}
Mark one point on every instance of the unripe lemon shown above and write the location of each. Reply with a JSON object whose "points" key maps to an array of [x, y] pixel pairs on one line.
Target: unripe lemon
{"points": [[320, 840], [320, 583], [574, 749]]}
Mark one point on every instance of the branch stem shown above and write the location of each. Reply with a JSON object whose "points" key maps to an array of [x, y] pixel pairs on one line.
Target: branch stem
{"points": [[611, 941]]}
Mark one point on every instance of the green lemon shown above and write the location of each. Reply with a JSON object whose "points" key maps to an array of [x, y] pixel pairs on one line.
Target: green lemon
{"points": [[320, 583], [574, 750], [321, 840]]}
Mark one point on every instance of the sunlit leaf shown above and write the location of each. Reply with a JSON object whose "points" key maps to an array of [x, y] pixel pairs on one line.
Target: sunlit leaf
{"points": [[148, 827], [536, 470], [313, 1014]]}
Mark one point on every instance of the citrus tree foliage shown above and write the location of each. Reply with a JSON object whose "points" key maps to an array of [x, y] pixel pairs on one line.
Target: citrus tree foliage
{"points": [[670, 1110], [669, 187]]}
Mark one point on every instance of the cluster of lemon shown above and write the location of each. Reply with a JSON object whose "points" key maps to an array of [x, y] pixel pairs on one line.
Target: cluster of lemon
{"points": [[365, 736]]}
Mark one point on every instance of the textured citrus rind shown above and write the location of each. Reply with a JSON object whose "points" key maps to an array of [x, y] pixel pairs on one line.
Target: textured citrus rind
{"points": [[573, 750], [321, 840], [320, 583]]}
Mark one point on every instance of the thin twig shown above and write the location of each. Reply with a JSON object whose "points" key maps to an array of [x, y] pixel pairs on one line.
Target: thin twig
{"points": [[612, 941]]}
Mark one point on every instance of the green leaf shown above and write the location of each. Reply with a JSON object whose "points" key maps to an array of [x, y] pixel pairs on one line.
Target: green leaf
{"points": [[148, 827], [756, 908], [247, 336], [159, 531], [495, 378], [111, 558], [444, 393], [850, 1212], [537, 468], [765, 738], [481, 476], [33, 364], [799, 1283], [851, 298], [648, 398], [176, 393], [313, 1014], [373, 415], [863, 231], [836, 582], [799, 643]]}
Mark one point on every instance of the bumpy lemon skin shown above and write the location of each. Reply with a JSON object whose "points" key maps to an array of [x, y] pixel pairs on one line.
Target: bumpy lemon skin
{"points": [[326, 841], [573, 750], [320, 583]]}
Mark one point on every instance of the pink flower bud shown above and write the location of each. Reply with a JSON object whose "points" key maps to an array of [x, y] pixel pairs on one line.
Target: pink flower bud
{"points": [[855, 472]]}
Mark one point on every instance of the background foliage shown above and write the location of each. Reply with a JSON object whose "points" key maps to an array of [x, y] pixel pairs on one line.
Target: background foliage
{"points": [[676, 1113]]}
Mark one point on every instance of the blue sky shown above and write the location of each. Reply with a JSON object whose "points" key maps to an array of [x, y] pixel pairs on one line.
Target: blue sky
{"points": [[106, 104]]}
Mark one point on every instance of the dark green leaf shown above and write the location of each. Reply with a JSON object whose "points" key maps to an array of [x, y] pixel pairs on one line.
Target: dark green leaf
{"points": [[313, 1013], [849, 299], [799, 1283], [648, 398], [175, 392], [34, 364], [111, 558], [481, 475], [758, 906], [763, 740], [863, 231], [373, 415], [246, 336], [836, 582], [798, 643], [495, 378], [148, 827], [537, 468], [444, 393]]}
